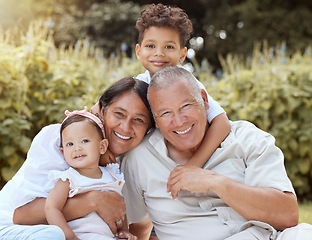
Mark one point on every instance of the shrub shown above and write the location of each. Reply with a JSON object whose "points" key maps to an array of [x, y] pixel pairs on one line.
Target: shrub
{"points": [[274, 91], [38, 82], [14, 121]]}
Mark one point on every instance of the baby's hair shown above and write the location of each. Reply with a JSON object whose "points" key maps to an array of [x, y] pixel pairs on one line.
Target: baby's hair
{"points": [[165, 16], [78, 118]]}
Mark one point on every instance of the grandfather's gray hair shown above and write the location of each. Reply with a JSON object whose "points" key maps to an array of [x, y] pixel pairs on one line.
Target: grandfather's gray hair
{"points": [[170, 75]]}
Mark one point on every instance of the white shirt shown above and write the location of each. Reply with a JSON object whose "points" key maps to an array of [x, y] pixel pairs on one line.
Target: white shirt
{"points": [[248, 155], [214, 108], [31, 180]]}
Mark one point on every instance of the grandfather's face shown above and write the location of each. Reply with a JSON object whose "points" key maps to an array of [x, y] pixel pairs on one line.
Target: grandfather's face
{"points": [[180, 116]]}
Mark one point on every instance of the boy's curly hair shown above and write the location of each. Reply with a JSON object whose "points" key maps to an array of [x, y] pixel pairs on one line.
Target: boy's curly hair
{"points": [[165, 16]]}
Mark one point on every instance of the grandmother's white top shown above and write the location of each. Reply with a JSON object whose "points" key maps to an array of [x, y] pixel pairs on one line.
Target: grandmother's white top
{"points": [[31, 181], [91, 226]]}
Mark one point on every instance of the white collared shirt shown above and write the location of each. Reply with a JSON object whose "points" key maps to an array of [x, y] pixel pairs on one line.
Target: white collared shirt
{"points": [[248, 155]]}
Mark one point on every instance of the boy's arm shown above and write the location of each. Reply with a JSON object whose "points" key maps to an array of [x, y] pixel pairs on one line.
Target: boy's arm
{"points": [[54, 205], [217, 132]]}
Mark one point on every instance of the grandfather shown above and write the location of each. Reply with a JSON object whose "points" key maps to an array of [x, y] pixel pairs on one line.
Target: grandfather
{"points": [[242, 192]]}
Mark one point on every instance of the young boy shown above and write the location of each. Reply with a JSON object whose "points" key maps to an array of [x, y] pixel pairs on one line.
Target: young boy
{"points": [[163, 33]]}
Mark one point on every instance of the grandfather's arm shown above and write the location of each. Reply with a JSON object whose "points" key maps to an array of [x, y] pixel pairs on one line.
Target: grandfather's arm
{"points": [[269, 205], [256, 197]]}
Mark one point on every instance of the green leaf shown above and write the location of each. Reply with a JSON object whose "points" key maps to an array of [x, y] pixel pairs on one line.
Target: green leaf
{"points": [[304, 166], [8, 151], [8, 172], [5, 103]]}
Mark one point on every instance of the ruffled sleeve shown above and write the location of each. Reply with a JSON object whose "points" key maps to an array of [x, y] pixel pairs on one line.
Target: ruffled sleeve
{"points": [[55, 175], [115, 168]]}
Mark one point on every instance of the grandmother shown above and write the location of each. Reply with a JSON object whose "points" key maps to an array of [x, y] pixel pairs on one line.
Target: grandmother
{"points": [[127, 118]]}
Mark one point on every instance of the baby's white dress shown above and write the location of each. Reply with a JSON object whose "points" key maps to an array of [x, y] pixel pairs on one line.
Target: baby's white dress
{"points": [[92, 226]]}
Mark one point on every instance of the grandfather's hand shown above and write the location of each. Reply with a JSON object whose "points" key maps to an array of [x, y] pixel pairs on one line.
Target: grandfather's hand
{"points": [[110, 206], [190, 178]]}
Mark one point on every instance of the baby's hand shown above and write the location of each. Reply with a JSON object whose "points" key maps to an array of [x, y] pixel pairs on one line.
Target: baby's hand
{"points": [[126, 235]]}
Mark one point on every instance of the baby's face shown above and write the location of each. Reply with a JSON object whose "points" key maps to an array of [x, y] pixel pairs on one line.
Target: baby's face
{"points": [[160, 48], [81, 145]]}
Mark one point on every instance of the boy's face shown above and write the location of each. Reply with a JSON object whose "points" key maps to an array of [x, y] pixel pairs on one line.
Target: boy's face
{"points": [[160, 48]]}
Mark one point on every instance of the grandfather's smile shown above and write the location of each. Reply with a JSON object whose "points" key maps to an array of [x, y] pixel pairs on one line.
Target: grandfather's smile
{"points": [[185, 131]]}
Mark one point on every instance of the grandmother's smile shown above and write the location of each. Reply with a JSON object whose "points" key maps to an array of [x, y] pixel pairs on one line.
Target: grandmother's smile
{"points": [[122, 136]]}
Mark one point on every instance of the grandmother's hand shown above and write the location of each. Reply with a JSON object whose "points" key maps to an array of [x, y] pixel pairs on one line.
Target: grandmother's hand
{"points": [[190, 178], [110, 206], [107, 158]]}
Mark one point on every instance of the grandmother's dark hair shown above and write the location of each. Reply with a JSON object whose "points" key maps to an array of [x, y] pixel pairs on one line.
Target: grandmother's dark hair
{"points": [[165, 16], [127, 84], [74, 119]]}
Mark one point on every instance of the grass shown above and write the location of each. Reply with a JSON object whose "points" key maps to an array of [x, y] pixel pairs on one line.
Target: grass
{"points": [[305, 212]]}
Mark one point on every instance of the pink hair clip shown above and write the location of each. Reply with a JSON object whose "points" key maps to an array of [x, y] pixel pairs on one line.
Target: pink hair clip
{"points": [[87, 114]]}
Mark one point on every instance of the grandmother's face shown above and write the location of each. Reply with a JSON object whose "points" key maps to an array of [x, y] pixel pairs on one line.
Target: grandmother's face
{"points": [[180, 115], [126, 121]]}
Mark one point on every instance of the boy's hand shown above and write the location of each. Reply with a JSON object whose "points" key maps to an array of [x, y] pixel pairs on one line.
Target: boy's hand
{"points": [[107, 158]]}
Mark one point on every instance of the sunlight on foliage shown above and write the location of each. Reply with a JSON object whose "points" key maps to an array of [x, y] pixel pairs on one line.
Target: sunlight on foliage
{"points": [[305, 212], [39, 81], [274, 91]]}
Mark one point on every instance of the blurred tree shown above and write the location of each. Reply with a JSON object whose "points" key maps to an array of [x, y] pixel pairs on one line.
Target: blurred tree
{"points": [[15, 14], [235, 25], [108, 24], [224, 26]]}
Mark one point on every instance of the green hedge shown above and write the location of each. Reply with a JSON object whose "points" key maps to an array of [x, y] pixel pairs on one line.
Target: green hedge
{"points": [[274, 91], [38, 82]]}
